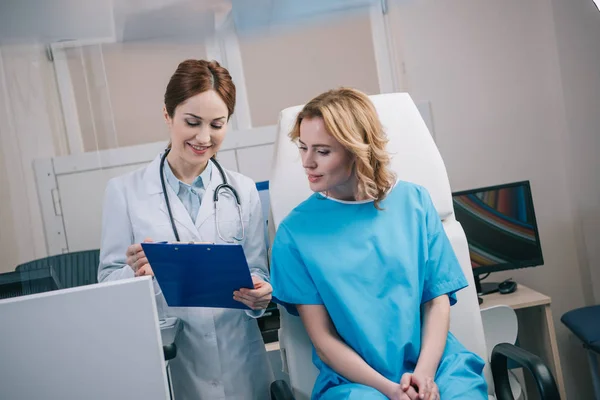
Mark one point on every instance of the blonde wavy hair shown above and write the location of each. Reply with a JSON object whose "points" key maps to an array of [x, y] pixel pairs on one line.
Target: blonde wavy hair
{"points": [[350, 117]]}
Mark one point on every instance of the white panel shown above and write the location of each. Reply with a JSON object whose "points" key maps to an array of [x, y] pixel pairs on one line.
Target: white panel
{"points": [[255, 162], [384, 51], [227, 160], [82, 195], [179, 22], [52, 21], [56, 242], [424, 108], [250, 137], [108, 158], [81, 343], [232, 60], [27, 134], [67, 99]]}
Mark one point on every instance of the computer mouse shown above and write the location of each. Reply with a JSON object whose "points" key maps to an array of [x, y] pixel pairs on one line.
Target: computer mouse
{"points": [[507, 287]]}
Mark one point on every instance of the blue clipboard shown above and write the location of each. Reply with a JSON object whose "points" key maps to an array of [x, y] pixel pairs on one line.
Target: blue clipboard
{"points": [[199, 275]]}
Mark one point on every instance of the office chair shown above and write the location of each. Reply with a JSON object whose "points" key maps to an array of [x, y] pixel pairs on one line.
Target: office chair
{"points": [[500, 325], [72, 269], [584, 323], [415, 158]]}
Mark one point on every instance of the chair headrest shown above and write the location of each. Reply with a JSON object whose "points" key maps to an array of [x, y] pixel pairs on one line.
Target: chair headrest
{"points": [[415, 157]]}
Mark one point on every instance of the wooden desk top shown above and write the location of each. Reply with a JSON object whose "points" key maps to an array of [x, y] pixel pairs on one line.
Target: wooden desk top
{"points": [[523, 297]]}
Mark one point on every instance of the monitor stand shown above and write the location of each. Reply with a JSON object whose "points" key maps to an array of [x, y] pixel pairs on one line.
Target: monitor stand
{"points": [[485, 287]]}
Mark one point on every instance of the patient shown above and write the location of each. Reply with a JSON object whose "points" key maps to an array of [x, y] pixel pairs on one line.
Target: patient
{"points": [[368, 267]]}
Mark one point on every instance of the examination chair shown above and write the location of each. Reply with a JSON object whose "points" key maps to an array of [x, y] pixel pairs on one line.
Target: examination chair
{"points": [[415, 158]]}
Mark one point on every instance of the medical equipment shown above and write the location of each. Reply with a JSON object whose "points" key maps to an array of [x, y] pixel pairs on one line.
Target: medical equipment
{"points": [[70, 341], [223, 186]]}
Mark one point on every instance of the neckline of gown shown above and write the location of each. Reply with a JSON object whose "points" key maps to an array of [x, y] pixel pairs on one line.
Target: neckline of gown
{"points": [[324, 195], [345, 201]]}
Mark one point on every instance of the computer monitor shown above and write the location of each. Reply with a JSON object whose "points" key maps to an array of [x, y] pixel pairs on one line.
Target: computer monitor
{"points": [[501, 229], [92, 342], [21, 283]]}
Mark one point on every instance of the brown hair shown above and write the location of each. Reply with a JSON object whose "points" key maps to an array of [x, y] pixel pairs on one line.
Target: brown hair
{"points": [[193, 77], [351, 118]]}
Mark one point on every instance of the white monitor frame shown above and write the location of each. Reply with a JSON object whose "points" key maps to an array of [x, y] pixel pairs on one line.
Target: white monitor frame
{"points": [[92, 342]]}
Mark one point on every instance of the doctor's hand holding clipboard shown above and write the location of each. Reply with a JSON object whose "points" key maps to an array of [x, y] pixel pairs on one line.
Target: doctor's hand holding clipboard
{"points": [[185, 195], [256, 299]]}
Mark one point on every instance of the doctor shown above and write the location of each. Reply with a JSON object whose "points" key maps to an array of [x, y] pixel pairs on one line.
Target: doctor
{"points": [[221, 352]]}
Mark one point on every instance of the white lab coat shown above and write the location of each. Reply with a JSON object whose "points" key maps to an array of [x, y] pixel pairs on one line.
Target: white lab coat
{"points": [[221, 354]]}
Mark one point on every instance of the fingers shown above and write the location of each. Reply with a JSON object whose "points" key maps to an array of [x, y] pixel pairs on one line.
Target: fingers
{"points": [[257, 298], [427, 389], [140, 264], [136, 258], [133, 249], [252, 302], [432, 390], [405, 381], [261, 289], [144, 271], [419, 383], [258, 294], [412, 394], [260, 305]]}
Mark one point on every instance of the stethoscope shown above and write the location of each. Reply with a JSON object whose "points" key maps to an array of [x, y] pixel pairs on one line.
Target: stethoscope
{"points": [[223, 186]]}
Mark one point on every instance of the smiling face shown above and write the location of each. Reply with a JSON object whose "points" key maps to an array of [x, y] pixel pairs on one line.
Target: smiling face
{"points": [[328, 165], [197, 130]]}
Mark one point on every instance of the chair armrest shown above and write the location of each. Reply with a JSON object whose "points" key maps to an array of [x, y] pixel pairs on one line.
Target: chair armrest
{"points": [[170, 351], [541, 373], [281, 391]]}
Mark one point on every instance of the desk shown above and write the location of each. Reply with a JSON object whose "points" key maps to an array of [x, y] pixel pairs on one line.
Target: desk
{"points": [[536, 330]]}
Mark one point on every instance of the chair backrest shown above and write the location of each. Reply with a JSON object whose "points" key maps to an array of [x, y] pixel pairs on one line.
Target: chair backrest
{"points": [[415, 158], [500, 325], [72, 269]]}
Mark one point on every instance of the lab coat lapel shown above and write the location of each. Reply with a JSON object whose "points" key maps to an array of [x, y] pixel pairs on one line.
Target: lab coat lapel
{"points": [[180, 215], [207, 207]]}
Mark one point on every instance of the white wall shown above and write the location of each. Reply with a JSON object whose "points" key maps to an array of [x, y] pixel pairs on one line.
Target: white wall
{"points": [[30, 128], [119, 89], [491, 72], [289, 67], [577, 25]]}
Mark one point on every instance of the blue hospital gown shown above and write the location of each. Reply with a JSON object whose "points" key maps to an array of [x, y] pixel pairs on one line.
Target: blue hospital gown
{"points": [[372, 270]]}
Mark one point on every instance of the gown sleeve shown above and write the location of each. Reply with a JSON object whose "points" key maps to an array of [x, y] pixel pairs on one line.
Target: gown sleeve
{"points": [[443, 273], [291, 281]]}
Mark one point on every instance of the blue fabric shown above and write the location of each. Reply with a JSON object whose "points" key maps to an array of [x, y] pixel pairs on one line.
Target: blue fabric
{"points": [[190, 195], [373, 269]]}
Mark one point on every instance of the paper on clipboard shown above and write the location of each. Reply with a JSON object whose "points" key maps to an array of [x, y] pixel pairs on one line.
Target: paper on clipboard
{"points": [[199, 274]]}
